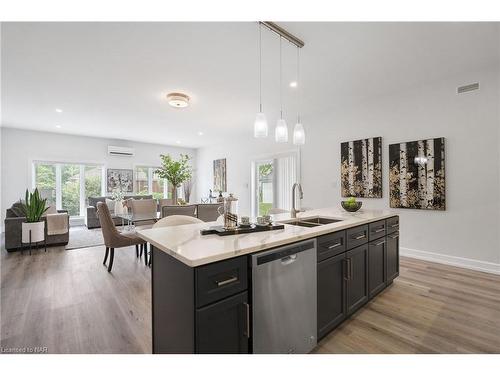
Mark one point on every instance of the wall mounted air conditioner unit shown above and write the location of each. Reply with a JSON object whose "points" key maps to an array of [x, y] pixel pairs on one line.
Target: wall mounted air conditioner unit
{"points": [[120, 151]]}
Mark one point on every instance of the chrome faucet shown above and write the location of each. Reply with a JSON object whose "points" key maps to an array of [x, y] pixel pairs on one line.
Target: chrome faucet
{"points": [[301, 195]]}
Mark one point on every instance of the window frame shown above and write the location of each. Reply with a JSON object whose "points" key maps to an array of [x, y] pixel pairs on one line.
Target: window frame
{"points": [[58, 180], [254, 175], [151, 171]]}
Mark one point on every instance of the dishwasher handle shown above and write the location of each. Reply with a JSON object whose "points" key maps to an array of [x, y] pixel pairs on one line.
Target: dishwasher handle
{"points": [[288, 260]]}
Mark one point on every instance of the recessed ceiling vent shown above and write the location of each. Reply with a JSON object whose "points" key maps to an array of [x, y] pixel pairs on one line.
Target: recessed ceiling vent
{"points": [[120, 151], [467, 88]]}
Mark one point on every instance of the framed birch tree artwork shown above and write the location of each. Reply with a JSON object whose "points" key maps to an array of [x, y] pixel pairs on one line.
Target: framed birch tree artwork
{"points": [[220, 175], [416, 175], [361, 168]]}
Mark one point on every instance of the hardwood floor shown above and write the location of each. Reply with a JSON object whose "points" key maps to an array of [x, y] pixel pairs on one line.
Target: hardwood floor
{"points": [[430, 308], [68, 302]]}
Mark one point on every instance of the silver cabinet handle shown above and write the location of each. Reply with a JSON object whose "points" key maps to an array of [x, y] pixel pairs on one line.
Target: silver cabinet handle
{"points": [[380, 243], [335, 245], [247, 306], [395, 225], [346, 269], [379, 230], [227, 281], [360, 237], [350, 269], [394, 236]]}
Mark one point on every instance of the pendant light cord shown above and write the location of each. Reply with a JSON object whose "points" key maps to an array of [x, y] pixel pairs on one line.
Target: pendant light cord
{"points": [[281, 94], [298, 86], [260, 68]]}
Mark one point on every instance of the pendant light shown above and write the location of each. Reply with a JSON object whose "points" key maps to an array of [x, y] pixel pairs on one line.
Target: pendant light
{"points": [[260, 125], [299, 136], [281, 130]]}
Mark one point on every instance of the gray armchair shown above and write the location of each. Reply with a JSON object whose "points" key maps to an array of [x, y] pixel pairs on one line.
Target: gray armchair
{"points": [[13, 232]]}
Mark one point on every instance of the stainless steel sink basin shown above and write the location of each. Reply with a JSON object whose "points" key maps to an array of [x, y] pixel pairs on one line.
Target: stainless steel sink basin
{"points": [[321, 220], [312, 222]]}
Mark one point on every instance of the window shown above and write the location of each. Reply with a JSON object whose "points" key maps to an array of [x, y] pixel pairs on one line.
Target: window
{"points": [[70, 189], [147, 182], [265, 186], [272, 181], [142, 180], [45, 177], [68, 186]]}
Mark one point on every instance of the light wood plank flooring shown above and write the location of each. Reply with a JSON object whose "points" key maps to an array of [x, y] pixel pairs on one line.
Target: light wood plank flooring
{"points": [[68, 302]]}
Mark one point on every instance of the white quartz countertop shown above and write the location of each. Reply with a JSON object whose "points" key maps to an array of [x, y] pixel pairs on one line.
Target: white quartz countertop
{"points": [[186, 244]]}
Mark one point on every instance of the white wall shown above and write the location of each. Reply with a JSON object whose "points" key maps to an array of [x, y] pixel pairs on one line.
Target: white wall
{"points": [[20, 147], [469, 122]]}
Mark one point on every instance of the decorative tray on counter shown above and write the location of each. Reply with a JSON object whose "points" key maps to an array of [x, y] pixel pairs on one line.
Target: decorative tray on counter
{"points": [[221, 231]]}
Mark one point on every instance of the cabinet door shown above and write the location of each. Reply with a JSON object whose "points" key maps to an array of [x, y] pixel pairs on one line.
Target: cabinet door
{"points": [[224, 326], [377, 266], [392, 256], [331, 294], [357, 278]]}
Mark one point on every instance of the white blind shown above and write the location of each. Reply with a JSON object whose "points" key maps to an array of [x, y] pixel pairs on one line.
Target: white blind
{"points": [[286, 177]]}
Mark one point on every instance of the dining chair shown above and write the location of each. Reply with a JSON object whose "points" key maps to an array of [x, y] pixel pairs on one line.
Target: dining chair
{"points": [[208, 212], [114, 239], [187, 210], [174, 220], [143, 207], [165, 202]]}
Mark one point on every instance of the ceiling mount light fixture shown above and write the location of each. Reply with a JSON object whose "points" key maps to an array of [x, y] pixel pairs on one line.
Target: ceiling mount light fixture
{"points": [[299, 135], [293, 84], [58, 126], [281, 130], [178, 142], [260, 124], [200, 133], [178, 100], [59, 110]]}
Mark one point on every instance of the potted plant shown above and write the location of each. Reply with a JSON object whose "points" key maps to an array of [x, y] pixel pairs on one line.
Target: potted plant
{"points": [[33, 208], [175, 172]]}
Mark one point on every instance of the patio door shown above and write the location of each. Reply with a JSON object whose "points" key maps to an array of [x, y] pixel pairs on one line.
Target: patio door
{"points": [[272, 182]]}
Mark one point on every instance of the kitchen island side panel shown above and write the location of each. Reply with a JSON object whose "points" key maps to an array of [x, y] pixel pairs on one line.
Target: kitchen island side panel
{"points": [[173, 305]]}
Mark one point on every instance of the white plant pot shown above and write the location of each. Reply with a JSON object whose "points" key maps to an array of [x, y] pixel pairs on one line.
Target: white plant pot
{"points": [[37, 232], [119, 209]]}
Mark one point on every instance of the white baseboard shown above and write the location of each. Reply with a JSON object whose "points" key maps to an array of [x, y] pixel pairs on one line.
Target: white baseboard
{"points": [[472, 264]]}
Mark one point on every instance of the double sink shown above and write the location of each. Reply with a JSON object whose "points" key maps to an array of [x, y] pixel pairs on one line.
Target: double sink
{"points": [[311, 222]]}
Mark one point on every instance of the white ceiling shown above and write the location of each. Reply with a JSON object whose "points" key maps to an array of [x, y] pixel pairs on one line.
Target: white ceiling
{"points": [[110, 79]]}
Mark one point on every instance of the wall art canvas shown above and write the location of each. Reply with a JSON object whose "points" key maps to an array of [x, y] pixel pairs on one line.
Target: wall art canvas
{"points": [[220, 175], [120, 179], [361, 168], [416, 175]]}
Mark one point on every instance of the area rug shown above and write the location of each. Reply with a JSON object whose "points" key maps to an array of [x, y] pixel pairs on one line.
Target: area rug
{"points": [[80, 237]]}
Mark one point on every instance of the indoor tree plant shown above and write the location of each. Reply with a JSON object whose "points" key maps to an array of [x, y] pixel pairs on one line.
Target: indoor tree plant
{"points": [[175, 172], [33, 208]]}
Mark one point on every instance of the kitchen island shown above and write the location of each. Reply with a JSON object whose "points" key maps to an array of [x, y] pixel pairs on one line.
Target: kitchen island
{"points": [[204, 296]]}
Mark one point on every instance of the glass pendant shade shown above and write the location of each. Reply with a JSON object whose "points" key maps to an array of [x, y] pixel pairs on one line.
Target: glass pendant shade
{"points": [[281, 131], [299, 136], [260, 126]]}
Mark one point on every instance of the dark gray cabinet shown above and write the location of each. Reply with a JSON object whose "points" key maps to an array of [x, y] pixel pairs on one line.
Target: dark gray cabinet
{"points": [[392, 256], [199, 309], [331, 293], [357, 278], [223, 327], [377, 275], [348, 279]]}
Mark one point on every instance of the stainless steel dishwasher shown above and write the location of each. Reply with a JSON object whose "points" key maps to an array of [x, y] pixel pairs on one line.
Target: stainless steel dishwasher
{"points": [[284, 299]]}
